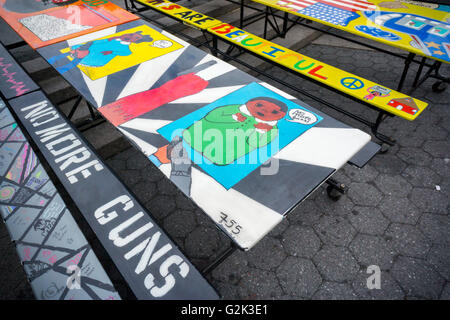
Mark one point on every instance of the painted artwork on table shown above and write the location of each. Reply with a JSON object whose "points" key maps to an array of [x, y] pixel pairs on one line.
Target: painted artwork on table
{"points": [[170, 106], [409, 25], [336, 78], [430, 36], [104, 56], [337, 12], [43, 22], [48, 241], [237, 133]]}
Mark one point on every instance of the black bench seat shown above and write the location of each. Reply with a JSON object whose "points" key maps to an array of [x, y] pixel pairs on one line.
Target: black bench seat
{"points": [[151, 264], [14, 81], [58, 261]]}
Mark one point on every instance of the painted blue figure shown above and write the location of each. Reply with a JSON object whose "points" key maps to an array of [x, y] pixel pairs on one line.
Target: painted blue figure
{"points": [[98, 53]]}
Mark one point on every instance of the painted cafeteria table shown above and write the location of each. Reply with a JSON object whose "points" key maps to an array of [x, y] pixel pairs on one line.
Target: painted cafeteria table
{"points": [[44, 22], [408, 26], [185, 110]]}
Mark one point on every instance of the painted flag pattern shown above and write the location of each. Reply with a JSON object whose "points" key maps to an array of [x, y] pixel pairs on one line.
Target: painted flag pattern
{"points": [[329, 14], [347, 5], [337, 12]]}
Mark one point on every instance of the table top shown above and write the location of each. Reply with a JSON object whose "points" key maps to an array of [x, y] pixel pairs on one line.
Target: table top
{"points": [[415, 28], [179, 106], [44, 22]]}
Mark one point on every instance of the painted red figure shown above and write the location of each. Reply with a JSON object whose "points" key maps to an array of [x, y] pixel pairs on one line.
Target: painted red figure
{"points": [[132, 106]]}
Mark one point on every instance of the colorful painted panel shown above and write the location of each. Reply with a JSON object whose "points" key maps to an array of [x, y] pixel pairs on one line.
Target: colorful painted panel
{"points": [[58, 260], [188, 16], [243, 150], [113, 53], [43, 22], [261, 116], [355, 86], [408, 25], [14, 81], [151, 264]]}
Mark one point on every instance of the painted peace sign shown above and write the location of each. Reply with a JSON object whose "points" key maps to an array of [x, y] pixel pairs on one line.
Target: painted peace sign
{"points": [[352, 83]]}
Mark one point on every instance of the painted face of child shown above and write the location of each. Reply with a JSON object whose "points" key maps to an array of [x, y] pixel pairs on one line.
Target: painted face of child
{"points": [[131, 37], [265, 110]]}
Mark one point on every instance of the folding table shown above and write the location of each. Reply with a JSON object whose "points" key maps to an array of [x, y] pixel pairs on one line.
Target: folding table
{"points": [[160, 92], [417, 29]]}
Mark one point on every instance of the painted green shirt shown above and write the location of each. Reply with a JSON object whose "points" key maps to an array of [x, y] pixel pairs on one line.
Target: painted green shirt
{"points": [[222, 139]]}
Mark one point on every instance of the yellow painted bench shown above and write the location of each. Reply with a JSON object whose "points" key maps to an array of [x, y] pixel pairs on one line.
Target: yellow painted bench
{"points": [[386, 101], [378, 96], [183, 14]]}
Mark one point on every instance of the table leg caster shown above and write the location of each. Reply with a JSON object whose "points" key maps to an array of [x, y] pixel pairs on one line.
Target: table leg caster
{"points": [[439, 86], [335, 189], [333, 193], [384, 148]]}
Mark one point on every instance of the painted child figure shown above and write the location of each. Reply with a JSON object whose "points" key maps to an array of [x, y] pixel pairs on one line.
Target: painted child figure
{"points": [[99, 53], [230, 132]]}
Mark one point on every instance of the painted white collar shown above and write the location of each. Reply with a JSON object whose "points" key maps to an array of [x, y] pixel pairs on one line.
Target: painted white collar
{"points": [[243, 109]]}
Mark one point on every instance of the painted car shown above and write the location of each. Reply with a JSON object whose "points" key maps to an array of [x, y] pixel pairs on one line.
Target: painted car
{"points": [[405, 104]]}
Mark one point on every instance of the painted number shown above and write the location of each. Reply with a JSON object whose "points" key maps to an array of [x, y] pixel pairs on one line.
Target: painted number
{"points": [[232, 225]]}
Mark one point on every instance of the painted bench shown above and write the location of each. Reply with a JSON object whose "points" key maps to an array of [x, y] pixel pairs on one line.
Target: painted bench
{"points": [[386, 101], [187, 16], [367, 91], [58, 261], [151, 264], [14, 81], [415, 29]]}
